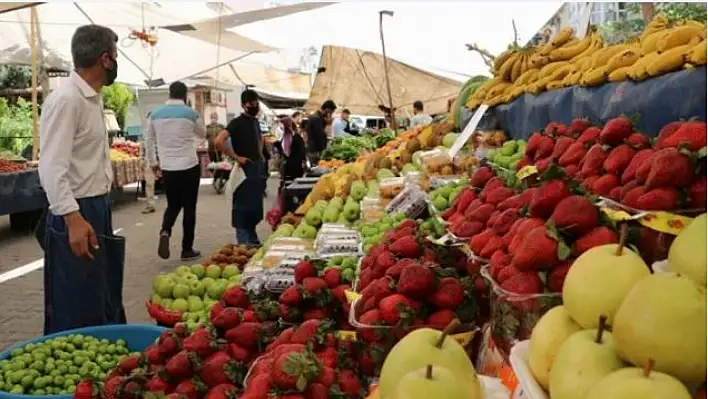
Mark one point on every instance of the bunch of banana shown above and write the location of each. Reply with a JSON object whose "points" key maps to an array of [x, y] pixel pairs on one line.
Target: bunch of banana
{"points": [[697, 54]]}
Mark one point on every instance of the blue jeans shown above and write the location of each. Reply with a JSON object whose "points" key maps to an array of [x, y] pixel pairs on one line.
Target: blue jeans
{"points": [[247, 236]]}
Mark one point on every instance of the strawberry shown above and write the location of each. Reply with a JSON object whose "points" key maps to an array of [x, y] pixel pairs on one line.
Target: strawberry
{"points": [[316, 391], [169, 343], [327, 376], [578, 126], [527, 225], [236, 297], [532, 145], [328, 357], [616, 131], [644, 168], [540, 249], [339, 292], [191, 389], [449, 213], [545, 148], [86, 389], [377, 250], [638, 141], [543, 164], [385, 261], [202, 342], [395, 308], [637, 159], [631, 198], [291, 296], [626, 188], [222, 391], [596, 237], [614, 194], [592, 163], [349, 384], [179, 367], [659, 199], [481, 176], [406, 247], [466, 228], [153, 356], [493, 245], [618, 159], [306, 332], [315, 314], [547, 197], [505, 273], [498, 195], [667, 131], [479, 241], [697, 194], [589, 136], [157, 384], [303, 270], [669, 168], [417, 281], [238, 353], [481, 214], [555, 129], [525, 161], [289, 313], [245, 334], [493, 183], [557, 277], [562, 145], [464, 199], [293, 370], [516, 201], [227, 318], [505, 220], [605, 184], [571, 170], [332, 276], [576, 214], [220, 368], [129, 363], [371, 318], [524, 283], [691, 135], [588, 182], [313, 286], [440, 319], [449, 294]]}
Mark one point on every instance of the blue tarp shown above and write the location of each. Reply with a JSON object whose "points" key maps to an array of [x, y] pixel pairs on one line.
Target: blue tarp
{"points": [[655, 102], [21, 192]]}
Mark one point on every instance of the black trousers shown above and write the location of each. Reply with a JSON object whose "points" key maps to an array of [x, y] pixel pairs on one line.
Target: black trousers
{"points": [[181, 190]]}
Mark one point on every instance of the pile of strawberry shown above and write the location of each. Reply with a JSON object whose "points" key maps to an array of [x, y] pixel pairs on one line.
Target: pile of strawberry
{"points": [[318, 293], [307, 362], [619, 163]]}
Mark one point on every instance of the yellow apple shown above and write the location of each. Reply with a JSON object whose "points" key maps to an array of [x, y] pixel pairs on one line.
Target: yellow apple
{"points": [[636, 383], [546, 338], [664, 318], [687, 254], [431, 382]]}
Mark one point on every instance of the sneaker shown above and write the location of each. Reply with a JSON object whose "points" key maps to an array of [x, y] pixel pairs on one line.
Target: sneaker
{"points": [[163, 248], [148, 209], [191, 254]]}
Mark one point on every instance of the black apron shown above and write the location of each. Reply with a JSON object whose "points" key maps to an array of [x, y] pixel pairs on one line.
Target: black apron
{"points": [[247, 208]]}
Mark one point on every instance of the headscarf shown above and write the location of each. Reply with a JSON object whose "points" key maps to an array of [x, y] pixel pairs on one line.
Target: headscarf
{"points": [[288, 132]]}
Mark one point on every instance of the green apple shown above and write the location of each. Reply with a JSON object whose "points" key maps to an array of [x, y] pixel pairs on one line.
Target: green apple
{"points": [[313, 217], [349, 263], [190, 277], [196, 288], [598, 282], [216, 290], [420, 348], [166, 303], [440, 203], [584, 358], [156, 299], [351, 211], [213, 271], [195, 303], [637, 383], [687, 254], [165, 288], [198, 270], [348, 274], [180, 291], [664, 318], [432, 382], [208, 302], [546, 338], [180, 305], [208, 281], [309, 232], [230, 271], [330, 215], [236, 279], [159, 279], [182, 270]]}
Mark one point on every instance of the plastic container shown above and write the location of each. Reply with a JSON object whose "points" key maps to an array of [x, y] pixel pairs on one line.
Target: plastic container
{"points": [[437, 162], [390, 187], [412, 202], [372, 209], [530, 389], [137, 336]]}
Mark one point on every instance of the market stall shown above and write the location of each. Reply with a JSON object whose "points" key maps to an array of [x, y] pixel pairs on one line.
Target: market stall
{"points": [[21, 195]]}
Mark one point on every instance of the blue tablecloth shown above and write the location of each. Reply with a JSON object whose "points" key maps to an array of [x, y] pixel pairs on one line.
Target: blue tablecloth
{"points": [[655, 102], [21, 192]]}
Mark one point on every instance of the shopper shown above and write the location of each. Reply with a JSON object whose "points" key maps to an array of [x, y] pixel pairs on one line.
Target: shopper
{"points": [[419, 118], [149, 178], [212, 130], [340, 126], [83, 259], [247, 149], [294, 152], [175, 127], [316, 136]]}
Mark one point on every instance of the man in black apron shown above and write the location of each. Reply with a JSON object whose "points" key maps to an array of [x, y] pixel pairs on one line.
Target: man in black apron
{"points": [[83, 259], [248, 151]]}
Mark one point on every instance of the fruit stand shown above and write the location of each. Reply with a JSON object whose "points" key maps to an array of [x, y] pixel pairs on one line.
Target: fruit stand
{"points": [[21, 195]]}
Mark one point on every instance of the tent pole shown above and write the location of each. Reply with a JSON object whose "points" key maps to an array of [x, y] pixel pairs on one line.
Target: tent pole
{"points": [[35, 66], [385, 61], [218, 66]]}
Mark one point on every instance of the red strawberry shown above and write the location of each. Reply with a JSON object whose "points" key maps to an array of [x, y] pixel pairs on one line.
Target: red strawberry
{"points": [[202, 342], [316, 391], [222, 391], [395, 308], [588, 182], [315, 314], [327, 376], [615, 194], [525, 161], [328, 357], [597, 237], [557, 277], [555, 129], [449, 212], [227, 318], [543, 164], [449, 294], [592, 163], [479, 241], [493, 245], [637, 160], [691, 134], [493, 183], [659, 199], [616, 131], [220, 368], [571, 170], [406, 247], [169, 343], [339, 292], [245, 334], [417, 282], [153, 356], [313, 286], [333, 277], [618, 159], [464, 199], [291, 296], [86, 389], [638, 141], [466, 228], [236, 297], [306, 332], [516, 201], [524, 283], [578, 126], [128, 364], [192, 389], [506, 272], [289, 313], [576, 214], [697, 194], [481, 176], [589, 136], [179, 367], [667, 131], [238, 353], [669, 168], [631, 199], [304, 269], [644, 168], [547, 197], [349, 384], [440, 319], [626, 188], [385, 261], [481, 214], [561, 147], [539, 250], [157, 384], [545, 148], [533, 144], [290, 370], [505, 220], [370, 318], [605, 184], [498, 195]]}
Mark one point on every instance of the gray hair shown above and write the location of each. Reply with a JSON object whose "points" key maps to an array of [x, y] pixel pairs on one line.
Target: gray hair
{"points": [[90, 42]]}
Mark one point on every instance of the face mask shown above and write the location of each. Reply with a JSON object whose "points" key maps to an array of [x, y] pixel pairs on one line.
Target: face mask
{"points": [[112, 73], [253, 110]]}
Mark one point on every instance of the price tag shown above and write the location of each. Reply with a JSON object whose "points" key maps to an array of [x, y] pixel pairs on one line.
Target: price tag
{"points": [[346, 335], [665, 222], [469, 129], [526, 171], [464, 339], [617, 215], [351, 295]]}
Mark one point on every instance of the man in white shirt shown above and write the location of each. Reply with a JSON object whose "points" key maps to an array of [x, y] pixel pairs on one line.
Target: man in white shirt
{"points": [[83, 260], [174, 127], [340, 126], [419, 118]]}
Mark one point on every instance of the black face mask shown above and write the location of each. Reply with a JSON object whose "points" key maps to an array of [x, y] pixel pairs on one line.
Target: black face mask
{"points": [[253, 110], [111, 73]]}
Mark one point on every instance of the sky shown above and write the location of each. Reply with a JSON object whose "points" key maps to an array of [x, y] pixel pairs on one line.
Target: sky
{"points": [[429, 35]]}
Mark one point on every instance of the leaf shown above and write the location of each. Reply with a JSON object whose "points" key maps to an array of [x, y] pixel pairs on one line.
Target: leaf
{"points": [[563, 251], [301, 383]]}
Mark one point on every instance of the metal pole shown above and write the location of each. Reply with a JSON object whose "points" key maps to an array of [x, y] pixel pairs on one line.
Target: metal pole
{"points": [[385, 62], [35, 68]]}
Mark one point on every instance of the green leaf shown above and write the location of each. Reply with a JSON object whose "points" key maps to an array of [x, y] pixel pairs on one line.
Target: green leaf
{"points": [[563, 251], [301, 383]]}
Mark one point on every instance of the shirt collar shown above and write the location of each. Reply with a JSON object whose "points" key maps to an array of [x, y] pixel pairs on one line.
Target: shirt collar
{"points": [[84, 87], [173, 101]]}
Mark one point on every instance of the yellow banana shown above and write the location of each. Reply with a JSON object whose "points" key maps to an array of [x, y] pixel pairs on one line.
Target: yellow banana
{"points": [[516, 68], [574, 78], [548, 69], [539, 61], [567, 52], [497, 90], [667, 61], [473, 103], [697, 55], [505, 70], [688, 67], [649, 43], [562, 72], [562, 37], [603, 56], [594, 77], [623, 59], [619, 74], [676, 37], [658, 23], [525, 77], [639, 69], [501, 58]]}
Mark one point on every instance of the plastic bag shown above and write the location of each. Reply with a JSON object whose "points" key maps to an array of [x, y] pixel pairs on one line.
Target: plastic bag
{"points": [[236, 177]]}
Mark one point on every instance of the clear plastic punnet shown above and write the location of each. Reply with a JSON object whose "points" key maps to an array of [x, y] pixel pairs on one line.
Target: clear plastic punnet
{"points": [[412, 202]]}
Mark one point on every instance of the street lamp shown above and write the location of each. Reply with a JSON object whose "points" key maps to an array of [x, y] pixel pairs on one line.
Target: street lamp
{"points": [[385, 63]]}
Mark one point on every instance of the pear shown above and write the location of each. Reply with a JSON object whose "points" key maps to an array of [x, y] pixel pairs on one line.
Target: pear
{"points": [[546, 338], [636, 383], [664, 318], [431, 382], [687, 254], [426, 346], [598, 281], [584, 359]]}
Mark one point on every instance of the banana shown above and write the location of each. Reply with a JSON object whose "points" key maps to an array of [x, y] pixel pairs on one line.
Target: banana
{"points": [[676, 37], [594, 77], [562, 37], [697, 55], [501, 58], [603, 56], [505, 70], [574, 78], [619, 74], [567, 52], [497, 90], [649, 43], [539, 61], [516, 68], [526, 76], [658, 23], [556, 84], [550, 68], [694, 40], [517, 91], [667, 61], [562, 72], [623, 59], [639, 69], [688, 67], [473, 103]]}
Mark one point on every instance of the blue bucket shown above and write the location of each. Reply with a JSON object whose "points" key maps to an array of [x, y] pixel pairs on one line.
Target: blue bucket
{"points": [[137, 337]]}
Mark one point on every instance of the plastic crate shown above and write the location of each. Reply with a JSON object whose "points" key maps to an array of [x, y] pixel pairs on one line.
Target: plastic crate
{"points": [[137, 337], [519, 363]]}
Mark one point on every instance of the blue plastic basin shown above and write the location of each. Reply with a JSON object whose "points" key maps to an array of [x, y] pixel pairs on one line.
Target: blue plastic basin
{"points": [[137, 337]]}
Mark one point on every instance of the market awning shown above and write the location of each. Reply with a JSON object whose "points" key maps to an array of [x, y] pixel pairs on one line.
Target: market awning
{"points": [[12, 6]]}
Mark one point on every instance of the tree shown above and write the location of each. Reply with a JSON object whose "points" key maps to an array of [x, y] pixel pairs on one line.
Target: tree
{"points": [[15, 77], [675, 12], [118, 97]]}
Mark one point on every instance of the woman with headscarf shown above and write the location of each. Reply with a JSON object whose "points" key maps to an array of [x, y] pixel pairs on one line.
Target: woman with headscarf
{"points": [[294, 153]]}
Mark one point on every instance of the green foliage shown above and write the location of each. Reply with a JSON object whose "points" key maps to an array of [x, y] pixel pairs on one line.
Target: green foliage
{"points": [[118, 98], [620, 31], [15, 126], [15, 77]]}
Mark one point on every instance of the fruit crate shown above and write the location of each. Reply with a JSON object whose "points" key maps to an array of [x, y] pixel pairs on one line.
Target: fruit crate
{"points": [[137, 336], [519, 363], [514, 315]]}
